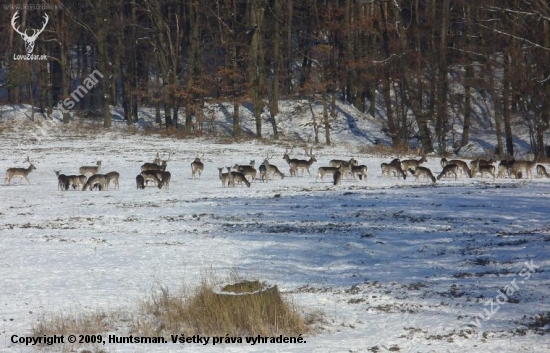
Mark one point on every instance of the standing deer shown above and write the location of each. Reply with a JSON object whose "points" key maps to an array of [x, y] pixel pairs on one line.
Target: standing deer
{"points": [[224, 177], [448, 169], [151, 175], [337, 176], [247, 170], [503, 167], [486, 169], [76, 181], [19, 172], [152, 166], [267, 169], [412, 164], [62, 180], [462, 166], [96, 180], [140, 182], [111, 176], [393, 167], [84, 170], [302, 164], [237, 177], [197, 167], [360, 170], [165, 179], [422, 171], [348, 164], [476, 163], [516, 167]]}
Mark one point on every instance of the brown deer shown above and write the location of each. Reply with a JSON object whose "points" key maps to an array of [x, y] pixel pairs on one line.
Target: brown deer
{"points": [[19, 172]]}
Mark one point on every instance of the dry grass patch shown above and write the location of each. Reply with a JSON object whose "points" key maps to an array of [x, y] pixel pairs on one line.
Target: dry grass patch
{"points": [[65, 324], [248, 308]]}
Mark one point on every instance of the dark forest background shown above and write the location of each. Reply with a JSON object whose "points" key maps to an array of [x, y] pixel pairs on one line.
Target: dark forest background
{"points": [[422, 58]]}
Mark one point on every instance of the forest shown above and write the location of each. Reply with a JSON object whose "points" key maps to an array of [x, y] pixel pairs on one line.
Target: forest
{"points": [[424, 59]]}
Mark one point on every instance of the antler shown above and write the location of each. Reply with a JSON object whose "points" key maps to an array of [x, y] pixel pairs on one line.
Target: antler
{"points": [[36, 32], [13, 24]]}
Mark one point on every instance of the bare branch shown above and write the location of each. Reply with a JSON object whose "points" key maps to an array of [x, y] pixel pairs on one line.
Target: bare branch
{"points": [[515, 37]]}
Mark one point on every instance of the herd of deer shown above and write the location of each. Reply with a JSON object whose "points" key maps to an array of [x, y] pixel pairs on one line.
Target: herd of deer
{"points": [[510, 168], [239, 174], [83, 182]]}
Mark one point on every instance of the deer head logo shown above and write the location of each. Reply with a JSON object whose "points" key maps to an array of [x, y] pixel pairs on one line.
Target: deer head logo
{"points": [[29, 40]]}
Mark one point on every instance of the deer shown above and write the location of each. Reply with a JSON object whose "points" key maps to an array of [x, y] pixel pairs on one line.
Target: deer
{"points": [[360, 170], [337, 162], [224, 177], [541, 171], [165, 179], [111, 176], [302, 164], [85, 170], [152, 166], [443, 162], [197, 166], [486, 169], [412, 164], [395, 167], [519, 166], [503, 167], [237, 177], [449, 169], [337, 176], [19, 172], [140, 182], [462, 166], [96, 180], [246, 170], [62, 180], [76, 181], [422, 171], [267, 169], [151, 175], [342, 168], [476, 163]]}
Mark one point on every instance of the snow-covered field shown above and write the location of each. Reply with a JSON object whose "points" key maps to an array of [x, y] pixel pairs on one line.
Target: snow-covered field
{"points": [[394, 265]]}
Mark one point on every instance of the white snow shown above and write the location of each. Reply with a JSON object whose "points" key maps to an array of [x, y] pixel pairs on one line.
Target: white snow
{"points": [[394, 265]]}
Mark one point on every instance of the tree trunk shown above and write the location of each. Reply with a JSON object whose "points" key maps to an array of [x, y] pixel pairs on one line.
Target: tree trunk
{"points": [[236, 121], [256, 63], [506, 106], [326, 120]]}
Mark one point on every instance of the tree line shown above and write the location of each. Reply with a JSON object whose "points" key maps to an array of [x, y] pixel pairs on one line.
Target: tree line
{"points": [[426, 60]]}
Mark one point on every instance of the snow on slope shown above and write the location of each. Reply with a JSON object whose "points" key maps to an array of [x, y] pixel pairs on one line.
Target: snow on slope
{"points": [[394, 265]]}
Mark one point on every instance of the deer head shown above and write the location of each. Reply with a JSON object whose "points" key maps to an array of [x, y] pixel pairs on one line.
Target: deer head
{"points": [[29, 40]]}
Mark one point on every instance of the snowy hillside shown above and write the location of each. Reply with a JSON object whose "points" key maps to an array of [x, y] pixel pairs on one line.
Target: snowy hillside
{"points": [[392, 265]]}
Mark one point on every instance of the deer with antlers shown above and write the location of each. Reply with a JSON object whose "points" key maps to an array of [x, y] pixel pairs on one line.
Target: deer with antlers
{"points": [[19, 172], [302, 164], [154, 166], [267, 169], [29, 40]]}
